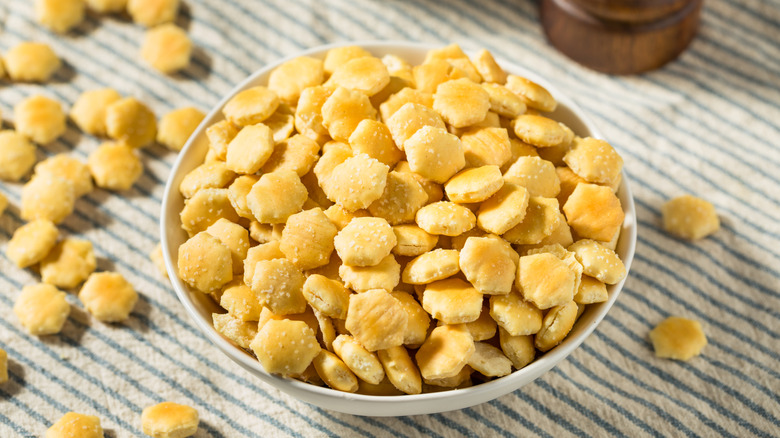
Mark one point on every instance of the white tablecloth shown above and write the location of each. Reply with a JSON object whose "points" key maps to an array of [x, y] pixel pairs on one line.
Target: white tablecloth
{"points": [[707, 124]]}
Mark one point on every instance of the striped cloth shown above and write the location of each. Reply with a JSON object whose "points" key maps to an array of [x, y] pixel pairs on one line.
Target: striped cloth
{"points": [[708, 124]]}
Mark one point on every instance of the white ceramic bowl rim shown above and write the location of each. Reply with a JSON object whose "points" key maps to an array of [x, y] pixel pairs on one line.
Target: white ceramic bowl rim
{"points": [[470, 396]]}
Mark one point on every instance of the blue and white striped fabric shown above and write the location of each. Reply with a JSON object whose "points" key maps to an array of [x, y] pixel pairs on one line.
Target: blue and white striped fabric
{"points": [[708, 125]]}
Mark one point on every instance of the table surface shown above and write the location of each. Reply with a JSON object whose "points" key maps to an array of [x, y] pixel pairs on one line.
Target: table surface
{"points": [[707, 124]]}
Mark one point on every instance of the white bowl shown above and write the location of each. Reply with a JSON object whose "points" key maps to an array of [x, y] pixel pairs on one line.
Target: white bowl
{"points": [[200, 306]]}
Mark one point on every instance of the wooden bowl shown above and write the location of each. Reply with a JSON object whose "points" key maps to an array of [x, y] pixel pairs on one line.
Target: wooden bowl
{"points": [[621, 36]]}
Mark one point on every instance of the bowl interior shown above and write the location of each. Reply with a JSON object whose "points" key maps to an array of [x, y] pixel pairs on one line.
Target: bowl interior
{"points": [[201, 306]]}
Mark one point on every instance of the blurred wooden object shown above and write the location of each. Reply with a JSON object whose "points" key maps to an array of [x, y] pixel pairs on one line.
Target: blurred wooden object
{"points": [[621, 36]]}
